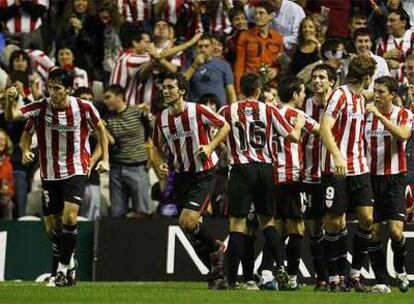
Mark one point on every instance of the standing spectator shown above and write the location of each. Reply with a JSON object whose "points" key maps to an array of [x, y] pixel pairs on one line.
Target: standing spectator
{"points": [[79, 30], [133, 68], [406, 89], [356, 21], [287, 20], [6, 176], [258, 49], [108, 39], [363, 41], [397, 45], [23, 19], [138, 12], [128, 135], [238, 21], [209, 74]]}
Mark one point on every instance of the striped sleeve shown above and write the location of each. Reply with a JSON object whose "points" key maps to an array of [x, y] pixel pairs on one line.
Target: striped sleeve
{"points": [[281, 125], [209, 117], [336, 102], [41, 62], [32, 109], [92, 114], [309, 122]]}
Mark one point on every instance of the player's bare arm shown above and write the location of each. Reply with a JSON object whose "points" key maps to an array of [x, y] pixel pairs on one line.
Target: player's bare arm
{"points": [[103, 164], [329, 141]]}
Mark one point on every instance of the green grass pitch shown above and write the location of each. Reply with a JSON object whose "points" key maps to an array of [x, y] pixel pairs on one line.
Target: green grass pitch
{"points": [[179, 292]]}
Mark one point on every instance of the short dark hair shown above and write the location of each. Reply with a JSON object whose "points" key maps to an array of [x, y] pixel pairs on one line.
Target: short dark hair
{"points": [[360, 67], [266, 5], [116, 89], [403, 16], [129, 32], [249, 83], [234, 11], [206, 36], [288, 86], [182, 82], [209, 97], [82, 90], [329, 70], [331, 44], [363, 31], [61, 75], [389, 82]]}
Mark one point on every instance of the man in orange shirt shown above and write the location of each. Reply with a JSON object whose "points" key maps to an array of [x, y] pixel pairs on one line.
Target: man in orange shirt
{"points": [[259, 47]]}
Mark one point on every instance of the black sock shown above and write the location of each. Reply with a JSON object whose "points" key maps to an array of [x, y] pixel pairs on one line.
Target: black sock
{"points": [[205, 237], [235, 254], [249, 257], [54, 238], [343, 268], [331, 252], [316, 248], [362, 240], [268, 261], [274, 243], [377, 256], [400, 251], [202, 250], [68, 243], [293, 251]]}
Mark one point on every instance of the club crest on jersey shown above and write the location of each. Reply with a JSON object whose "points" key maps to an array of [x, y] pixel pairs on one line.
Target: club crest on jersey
{"points": [[328, 203]]}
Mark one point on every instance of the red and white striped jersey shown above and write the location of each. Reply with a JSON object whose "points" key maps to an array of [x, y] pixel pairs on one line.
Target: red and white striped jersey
{"points": [[311, 143], [253, 126], [135, 10], [289, 156], [386, 154], [220, 23], [22, 21], [43, 64], [184, 133], [62, 136], [347, 109], [125, 74], [175, 9], [403, 44]]}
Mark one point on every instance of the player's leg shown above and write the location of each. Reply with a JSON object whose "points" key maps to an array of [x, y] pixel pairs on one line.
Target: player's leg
{"points": [[73, 190], [362, 198], [315, 222]]}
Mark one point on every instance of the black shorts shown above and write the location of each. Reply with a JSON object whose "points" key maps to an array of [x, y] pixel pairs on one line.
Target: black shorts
{"points": [[249, 183], [193, 190], [56, 192], [389, 197], [291, 201], [342, 195], [315, 208]]}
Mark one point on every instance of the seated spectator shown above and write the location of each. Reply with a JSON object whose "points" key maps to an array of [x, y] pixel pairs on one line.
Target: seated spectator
{"points": [[6, 176]]}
